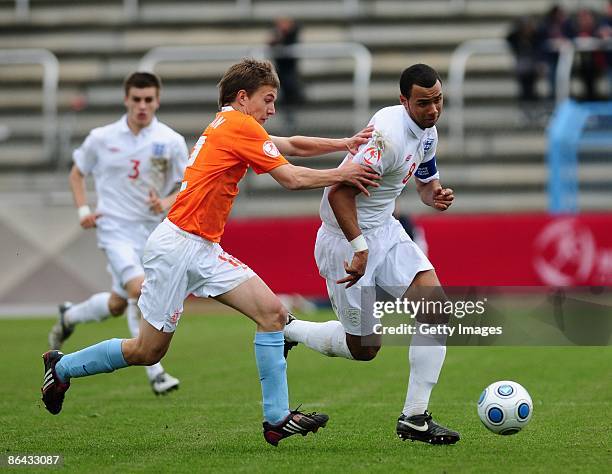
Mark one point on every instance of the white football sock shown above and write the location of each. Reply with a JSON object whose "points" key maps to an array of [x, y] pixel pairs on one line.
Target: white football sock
{"points": [[327, 338], [93, 309], [426, 357], [133, 319]]}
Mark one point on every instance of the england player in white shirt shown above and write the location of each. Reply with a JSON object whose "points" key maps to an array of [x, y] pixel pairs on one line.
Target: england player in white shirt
{"points": [[137, 164], [363, 231]]}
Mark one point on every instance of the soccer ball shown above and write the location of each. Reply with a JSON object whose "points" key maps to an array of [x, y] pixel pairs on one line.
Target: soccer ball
{"points": [[505, 407]]}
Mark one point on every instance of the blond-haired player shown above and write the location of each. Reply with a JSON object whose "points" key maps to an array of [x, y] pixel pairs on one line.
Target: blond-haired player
{"points": [[183, 255]]}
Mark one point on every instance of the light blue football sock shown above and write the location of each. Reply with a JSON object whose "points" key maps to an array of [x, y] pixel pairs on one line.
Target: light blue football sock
{"points": [[272, 368], [105, 356]]}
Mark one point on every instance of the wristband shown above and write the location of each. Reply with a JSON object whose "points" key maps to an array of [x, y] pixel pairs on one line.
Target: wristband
{"points": [[83, 211], [359, 243]]}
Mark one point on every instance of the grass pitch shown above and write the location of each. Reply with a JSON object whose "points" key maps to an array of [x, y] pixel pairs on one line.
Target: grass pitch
{"points": [[113, 422]]}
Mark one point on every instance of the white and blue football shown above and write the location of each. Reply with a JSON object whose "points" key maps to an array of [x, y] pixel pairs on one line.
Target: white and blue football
{"points": [[505, 407]]}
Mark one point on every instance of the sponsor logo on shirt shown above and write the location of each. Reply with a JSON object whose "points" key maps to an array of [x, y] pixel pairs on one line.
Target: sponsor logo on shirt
{"points": [[269, 148]]}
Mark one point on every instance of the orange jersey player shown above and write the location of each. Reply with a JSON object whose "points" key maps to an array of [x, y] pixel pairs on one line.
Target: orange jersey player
{"points": [[232, 143], [183, 255]]}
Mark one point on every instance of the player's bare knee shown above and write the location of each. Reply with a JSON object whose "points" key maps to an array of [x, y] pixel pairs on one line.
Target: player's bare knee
{"points": [[118, 308], [366, 354], [274, 320], [116, 305], [363, 348]]}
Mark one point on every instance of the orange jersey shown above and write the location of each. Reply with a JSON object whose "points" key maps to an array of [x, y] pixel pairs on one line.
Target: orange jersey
{"points": [[219, 160]]}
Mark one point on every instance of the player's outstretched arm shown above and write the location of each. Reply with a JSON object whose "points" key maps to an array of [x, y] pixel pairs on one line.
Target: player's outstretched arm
{"points": [[434, 195], [314, 146], [352, 174], [87, 219], [342, 201]]}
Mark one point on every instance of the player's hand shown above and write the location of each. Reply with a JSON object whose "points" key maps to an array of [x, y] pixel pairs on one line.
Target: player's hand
{"points": [[356, 269], [359, 176], [352, 144], [155, 202], [443, 198], [89, 221]]}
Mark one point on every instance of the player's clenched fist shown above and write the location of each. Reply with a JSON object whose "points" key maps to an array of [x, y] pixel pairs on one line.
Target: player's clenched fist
{"points": [[89, 221], [443, 198], [356, 269]]}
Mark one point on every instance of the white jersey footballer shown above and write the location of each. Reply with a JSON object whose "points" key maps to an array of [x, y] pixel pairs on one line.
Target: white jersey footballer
{"points": [[137, 164], [362, 230], [126, 167], [396, 153]]}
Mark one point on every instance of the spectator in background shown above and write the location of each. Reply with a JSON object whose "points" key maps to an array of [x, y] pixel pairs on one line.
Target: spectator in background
{"points": [[591, 63], [605, 33], [524, 42], [552, 33], [286, 33]]}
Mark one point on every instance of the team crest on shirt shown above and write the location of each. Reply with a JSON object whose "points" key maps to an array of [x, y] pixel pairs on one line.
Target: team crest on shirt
{"points": [[427, 144], [269, 148], [159, 149]]}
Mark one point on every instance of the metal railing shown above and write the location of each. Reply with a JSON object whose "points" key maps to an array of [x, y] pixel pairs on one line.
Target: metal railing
{"points": [[467, 49], [50, 80], [456, 80], [567, 52], [131, 8], [359, 53]]}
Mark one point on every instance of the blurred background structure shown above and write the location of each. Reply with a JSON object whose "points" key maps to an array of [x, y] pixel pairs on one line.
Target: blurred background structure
{"points": [[506, 66]]}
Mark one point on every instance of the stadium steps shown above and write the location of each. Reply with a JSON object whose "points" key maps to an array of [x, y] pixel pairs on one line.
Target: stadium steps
{"points": [[110, 13], [312, 119], [98, 45]]}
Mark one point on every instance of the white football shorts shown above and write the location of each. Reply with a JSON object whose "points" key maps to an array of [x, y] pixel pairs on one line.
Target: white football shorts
{"points": [[393, 262], [123, 243], [177, 264]]}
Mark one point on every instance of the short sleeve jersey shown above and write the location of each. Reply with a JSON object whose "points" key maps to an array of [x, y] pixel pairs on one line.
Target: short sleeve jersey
{"points": [[126, 167], [232, 143], [398, 149]]}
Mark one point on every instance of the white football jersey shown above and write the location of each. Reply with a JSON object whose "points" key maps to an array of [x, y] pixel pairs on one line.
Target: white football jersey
{"points": [[126, 167], [398, 149]]}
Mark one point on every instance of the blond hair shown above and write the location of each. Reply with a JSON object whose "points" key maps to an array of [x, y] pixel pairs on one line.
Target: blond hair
{"points": [[248, 75]]}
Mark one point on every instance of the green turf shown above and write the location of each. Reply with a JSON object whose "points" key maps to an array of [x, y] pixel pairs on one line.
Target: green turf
{"points": [[112, 422]]}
